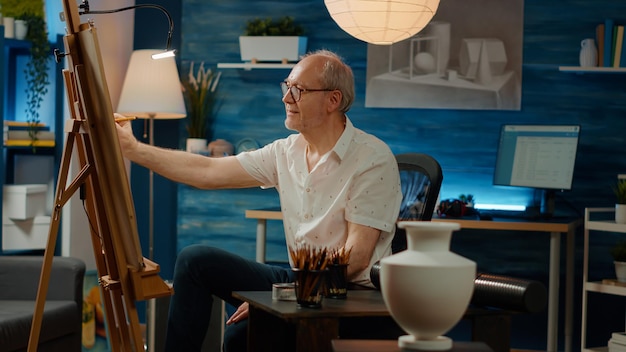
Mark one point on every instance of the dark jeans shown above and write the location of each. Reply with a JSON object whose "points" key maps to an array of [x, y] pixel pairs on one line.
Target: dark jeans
{"points": [[201, 272]]}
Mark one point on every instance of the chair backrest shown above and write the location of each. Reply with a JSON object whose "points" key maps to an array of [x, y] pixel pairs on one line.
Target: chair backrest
{"points": [[421, 178]]}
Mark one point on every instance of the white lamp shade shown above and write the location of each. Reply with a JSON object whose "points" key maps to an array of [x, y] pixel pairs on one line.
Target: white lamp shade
{"points": [[382, 22], [152, 88]]}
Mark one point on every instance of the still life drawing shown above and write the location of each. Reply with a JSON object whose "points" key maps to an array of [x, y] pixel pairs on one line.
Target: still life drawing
{"points": [[468, 57]]}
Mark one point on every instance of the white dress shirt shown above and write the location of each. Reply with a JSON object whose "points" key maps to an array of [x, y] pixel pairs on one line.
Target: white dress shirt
{"points": [[356, 181]]}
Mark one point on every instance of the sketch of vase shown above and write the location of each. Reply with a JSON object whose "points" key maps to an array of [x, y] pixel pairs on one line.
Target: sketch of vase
{"points": [[588, 53]]}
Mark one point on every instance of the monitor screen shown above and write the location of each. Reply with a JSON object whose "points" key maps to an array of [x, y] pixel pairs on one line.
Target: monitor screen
{"points": [[537, 156]]}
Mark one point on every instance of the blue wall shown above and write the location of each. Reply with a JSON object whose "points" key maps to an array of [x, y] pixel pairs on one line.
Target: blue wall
{"points": [[463, 141]]}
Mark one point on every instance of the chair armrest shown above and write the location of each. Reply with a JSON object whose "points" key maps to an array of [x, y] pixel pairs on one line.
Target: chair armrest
{"points": [[509, 293], [20, 275], [498, 291]]}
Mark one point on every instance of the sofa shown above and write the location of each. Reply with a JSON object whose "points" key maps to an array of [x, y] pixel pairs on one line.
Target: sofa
{"points": [[62, 319]]}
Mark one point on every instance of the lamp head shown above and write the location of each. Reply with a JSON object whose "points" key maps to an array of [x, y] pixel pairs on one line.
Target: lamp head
{"points": [[382, 22], [152, 87]]}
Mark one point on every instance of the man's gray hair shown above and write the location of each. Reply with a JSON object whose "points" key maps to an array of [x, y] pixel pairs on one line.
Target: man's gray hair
{"points": [[336, 74]]}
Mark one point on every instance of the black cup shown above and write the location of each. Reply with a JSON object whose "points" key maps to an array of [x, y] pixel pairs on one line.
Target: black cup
{"points": [[337, 281], [309, 286]]}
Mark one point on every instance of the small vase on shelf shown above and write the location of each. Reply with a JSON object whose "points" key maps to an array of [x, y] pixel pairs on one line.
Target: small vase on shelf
{"points": [[588, 56], [620, 213], [21, 29], [196, 145]]}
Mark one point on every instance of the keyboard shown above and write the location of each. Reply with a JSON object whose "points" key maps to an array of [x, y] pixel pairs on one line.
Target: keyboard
{"points": [[508, 214]]}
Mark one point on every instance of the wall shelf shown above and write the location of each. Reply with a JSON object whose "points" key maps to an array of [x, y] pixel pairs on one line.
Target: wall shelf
{"points": [[579, 69], [606, 286], [250, 66]]}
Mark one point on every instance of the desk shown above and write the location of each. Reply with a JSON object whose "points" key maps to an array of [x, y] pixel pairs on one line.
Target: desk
{"points": [[280, 325], [392, 346], [554, 227], [273, 324]]}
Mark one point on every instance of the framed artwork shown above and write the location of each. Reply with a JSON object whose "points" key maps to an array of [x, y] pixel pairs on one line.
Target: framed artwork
{"points": [[468, 57]]}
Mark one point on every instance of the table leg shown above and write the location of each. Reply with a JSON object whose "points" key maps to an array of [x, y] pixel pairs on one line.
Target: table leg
{"points": [[553, 292], [261, 232], [569, 288], [268, 333], [314, 335]]}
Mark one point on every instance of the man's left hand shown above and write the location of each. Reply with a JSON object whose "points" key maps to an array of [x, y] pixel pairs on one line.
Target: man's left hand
{"points": [[240, 314]]}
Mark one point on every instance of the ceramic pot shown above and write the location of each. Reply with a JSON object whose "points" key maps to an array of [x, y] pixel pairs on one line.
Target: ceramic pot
{"points": [[588, 53], [21, 29], [620, 271], [620, 213], [427, 288], [221, 147], [196, 145]]}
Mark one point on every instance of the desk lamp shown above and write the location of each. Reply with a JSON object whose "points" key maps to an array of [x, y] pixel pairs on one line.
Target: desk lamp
{"points": [[151, 91]]}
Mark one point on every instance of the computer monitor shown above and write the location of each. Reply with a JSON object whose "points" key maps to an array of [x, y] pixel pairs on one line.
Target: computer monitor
{"points": [[537, 156]]}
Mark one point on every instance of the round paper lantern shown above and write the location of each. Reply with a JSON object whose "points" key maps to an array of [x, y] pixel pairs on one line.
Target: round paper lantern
{"points": [[382, 22]]}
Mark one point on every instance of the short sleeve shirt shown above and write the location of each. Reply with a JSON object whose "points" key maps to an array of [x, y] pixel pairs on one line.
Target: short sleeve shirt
{"points": [[357, 181]]}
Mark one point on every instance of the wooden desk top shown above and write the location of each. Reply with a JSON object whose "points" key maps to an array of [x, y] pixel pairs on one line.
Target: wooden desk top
{"points": [[392, 346], [358, 303], [268, 214], [550, 225]]}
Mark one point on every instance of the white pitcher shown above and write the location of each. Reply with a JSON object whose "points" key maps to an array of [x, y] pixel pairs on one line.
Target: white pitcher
{"points": [[588, 53]]}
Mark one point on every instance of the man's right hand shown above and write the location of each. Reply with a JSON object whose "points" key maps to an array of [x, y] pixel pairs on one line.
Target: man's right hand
{"points": [[125, 135]]}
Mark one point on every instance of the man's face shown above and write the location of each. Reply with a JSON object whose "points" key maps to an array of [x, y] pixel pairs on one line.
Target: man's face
{"points": [[309, 111]]}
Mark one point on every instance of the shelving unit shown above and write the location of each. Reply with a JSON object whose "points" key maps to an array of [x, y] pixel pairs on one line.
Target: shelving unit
{"points": [[578, 69], [250, 66], [9, 76], [597, 286]]}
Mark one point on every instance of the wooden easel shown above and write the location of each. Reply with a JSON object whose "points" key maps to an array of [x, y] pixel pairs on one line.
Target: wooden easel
{"points": [[124, 275]]}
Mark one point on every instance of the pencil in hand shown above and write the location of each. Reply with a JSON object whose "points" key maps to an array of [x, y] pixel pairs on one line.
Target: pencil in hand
{"points": [[125, 118]]}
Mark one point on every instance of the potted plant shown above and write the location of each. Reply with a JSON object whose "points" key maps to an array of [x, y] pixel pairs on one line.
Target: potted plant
{"points": [[36, 72], [201, 98], [272, 40], [620, 201], [468, 199], [618, 252]]}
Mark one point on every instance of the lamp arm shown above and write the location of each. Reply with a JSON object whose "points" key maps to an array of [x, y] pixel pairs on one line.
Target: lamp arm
{"points": [[85, 10]]}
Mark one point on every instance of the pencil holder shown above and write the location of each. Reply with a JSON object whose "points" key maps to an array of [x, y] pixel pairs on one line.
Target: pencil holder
{"points": [[309, 287], [337, 281]]}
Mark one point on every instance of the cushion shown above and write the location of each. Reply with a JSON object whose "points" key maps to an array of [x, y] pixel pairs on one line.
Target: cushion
{"points": [[16, 317]]}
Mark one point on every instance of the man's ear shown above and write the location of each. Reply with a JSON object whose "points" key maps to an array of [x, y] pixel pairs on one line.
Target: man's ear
{"points": [[334, 98]]}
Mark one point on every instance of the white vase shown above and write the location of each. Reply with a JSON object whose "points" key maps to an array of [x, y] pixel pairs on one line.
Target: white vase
{"points": [[620, 213], [21, 29], [196, 145], [427, 288], [620, 271], [588, 56]]}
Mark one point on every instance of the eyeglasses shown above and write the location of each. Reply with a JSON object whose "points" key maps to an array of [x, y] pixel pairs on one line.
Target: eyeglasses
{"points": [[296, 93]]}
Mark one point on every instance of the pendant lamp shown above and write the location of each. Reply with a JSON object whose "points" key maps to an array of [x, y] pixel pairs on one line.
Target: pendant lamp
{"points": [[382, 22]]}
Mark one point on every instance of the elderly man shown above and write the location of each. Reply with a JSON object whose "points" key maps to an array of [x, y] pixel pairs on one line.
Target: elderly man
{"points": [[338, 186]]}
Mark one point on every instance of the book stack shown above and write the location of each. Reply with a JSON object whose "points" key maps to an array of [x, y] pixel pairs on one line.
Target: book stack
{"points": [[617, 343], [16, 134], [611, 46]]}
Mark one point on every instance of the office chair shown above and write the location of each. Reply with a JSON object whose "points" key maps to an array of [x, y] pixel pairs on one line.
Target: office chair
{"points": [[420, 179]]}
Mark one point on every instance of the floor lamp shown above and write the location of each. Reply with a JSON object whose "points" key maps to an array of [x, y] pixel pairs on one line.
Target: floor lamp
{"points": [[151, 91]]}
